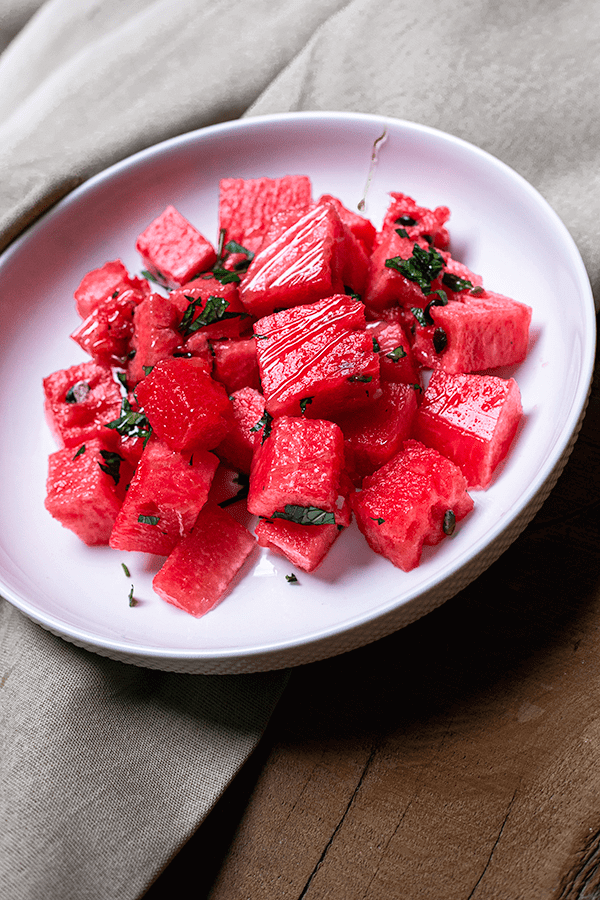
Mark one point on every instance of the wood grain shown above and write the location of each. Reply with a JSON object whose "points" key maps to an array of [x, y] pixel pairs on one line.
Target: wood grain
{"points": [[456, 759]]}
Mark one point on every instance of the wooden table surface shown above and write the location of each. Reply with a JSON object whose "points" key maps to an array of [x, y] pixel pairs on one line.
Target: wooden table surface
{"points": [[458, 758]]}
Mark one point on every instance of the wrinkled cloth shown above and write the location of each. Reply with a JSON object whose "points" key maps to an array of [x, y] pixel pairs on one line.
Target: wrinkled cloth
{"points": [[106, 770]]}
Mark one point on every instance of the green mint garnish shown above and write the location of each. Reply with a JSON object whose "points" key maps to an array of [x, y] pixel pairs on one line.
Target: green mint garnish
{"points": [[215, 310], [377, 519], [149, 520], [126, 570], [112, 464], [455, 282], [363, 378], [132, 600], [396, 354], [422, 267], [305, 515], [402, 232], [79, 452], [131, 424], [291, 579], [376, 347], [265, 422], [304, 403]]}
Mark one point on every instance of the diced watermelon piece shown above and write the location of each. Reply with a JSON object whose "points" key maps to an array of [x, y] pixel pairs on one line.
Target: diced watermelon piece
{"points": [[173, 250], [85, 489], [166, 494], [406, 502], [205, 305], [483, 332], [385, 285], [186, 407], [200, 570], [300, 464], [301, 266], [235, 364], [472, 419], [101, 284], [396, 362], [79, 401], [417, 221], [247, 206], [238, 446], [155, 336], [304, 545], [317, 359], [373, 435], [361, 227], [106, 333]]}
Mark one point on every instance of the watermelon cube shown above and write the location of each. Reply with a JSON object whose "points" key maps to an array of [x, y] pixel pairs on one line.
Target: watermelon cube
{"points": [[317, 360], [297, 473], [472, 419], [485, 331], [361, 228], [107, 332], [305, 546], [247, 206], [166, 494], [85, 489], [173, 250], [386, 285], [104, 283], [373, 435], [238, 446], [206, 306], [155, 335], [186, 407], [235, 364], [396, 360], [417, 222], [79, 401], [301, 266], [413, 500], [202, 567]]}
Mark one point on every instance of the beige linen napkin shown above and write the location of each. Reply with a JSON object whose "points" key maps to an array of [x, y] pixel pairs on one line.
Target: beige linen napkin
{"points": [[107, 769]]}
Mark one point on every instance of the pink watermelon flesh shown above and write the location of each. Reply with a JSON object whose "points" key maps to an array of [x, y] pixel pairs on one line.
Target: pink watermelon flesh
{"points": [[200, 570], [81, 494], [154, 336], [186, 407], [316, 359], [300, 464], [165, 496], [106, 333], [472, 419], [247, 206], [401, 505], [173, 250], [305, 546], [101, 284], [79, 401], [301, 266], [238, 446]]}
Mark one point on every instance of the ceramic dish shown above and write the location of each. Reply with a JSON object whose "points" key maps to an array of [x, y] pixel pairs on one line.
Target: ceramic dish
{"points": [[500, 227]]}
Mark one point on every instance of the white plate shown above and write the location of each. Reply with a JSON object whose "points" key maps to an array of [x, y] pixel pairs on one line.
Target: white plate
{"points": [[500, 227]]}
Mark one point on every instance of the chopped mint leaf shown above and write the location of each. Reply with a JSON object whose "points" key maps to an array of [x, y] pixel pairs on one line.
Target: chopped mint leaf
{"points": [[291, 579], [130, 423], [396, 354], [112, 464], [132, 600], [402, 232], [377, 519], [79, 452], [376, 347], [305, 515], [265, 422], [422, 267], [214, 310], [149, 520], [126, 570], [455, 282], [147, 369], [304, 403]]}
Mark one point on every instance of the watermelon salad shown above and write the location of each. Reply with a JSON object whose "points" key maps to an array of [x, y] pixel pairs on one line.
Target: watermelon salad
{"points": [[323, 370]]}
